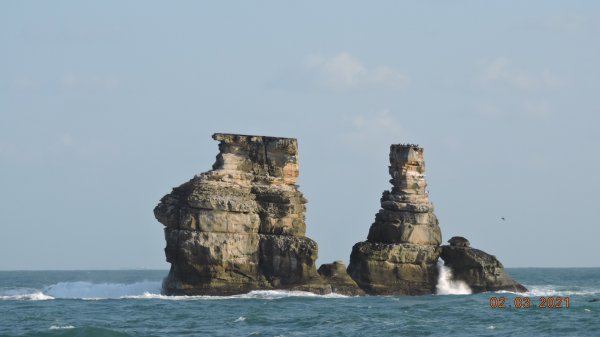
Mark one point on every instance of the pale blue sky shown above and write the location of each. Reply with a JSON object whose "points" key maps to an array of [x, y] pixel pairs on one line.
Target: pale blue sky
{"points": [[106, 105]]}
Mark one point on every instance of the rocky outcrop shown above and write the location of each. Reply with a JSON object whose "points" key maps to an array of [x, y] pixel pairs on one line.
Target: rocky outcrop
{"points": [[335, 274], [459, 241], [479, 270], [240, 226], [402, 249]]}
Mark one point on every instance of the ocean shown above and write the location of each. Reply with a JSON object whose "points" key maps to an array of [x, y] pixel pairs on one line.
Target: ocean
{"points": [[129, 303]]}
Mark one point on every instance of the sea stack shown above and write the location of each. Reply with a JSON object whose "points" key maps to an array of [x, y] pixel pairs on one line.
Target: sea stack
{"points": [[240, 226], [402, 249]]}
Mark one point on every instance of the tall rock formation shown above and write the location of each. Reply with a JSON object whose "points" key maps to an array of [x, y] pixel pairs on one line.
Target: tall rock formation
{"points": [[402, 249], [240, 226]]}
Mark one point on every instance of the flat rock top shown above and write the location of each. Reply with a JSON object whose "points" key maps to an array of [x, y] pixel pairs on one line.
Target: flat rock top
{"points": [[224, 136], [405, 145]]}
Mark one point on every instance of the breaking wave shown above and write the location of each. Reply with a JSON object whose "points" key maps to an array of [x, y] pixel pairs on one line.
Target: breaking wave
{"points": [[20, 294], [88, 290], [256, 294], [447, 286], [61, 327], [82, 290], [548, 290], [137, 290]]}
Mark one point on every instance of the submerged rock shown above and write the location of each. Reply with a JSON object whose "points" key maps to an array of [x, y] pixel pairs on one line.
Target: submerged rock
{"points": [[478, 269], [240, 226], [335, 274], [401, 252]]}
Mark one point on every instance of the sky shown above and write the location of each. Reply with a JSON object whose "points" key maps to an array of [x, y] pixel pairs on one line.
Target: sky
{"points": [[107, 105]]}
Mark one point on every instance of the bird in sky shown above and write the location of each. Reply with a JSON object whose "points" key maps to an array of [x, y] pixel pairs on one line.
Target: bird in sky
{"points": [[503, 218]]}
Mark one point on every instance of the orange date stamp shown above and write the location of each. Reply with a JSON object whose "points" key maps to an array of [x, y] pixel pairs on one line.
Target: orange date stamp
{"points": [[519, 302]]}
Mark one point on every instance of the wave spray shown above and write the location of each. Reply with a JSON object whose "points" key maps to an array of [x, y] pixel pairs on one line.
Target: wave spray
{"points": [[447, 286]]}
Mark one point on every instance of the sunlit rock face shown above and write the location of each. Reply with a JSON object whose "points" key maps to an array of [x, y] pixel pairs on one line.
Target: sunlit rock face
{"points": [[402, 248], [240, 226]]}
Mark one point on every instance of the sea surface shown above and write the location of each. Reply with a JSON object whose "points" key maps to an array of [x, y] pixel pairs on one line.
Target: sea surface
{"points": [[129, 303]]}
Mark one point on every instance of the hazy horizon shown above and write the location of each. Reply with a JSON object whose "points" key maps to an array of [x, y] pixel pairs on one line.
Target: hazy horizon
{"points": [[105, 106]]}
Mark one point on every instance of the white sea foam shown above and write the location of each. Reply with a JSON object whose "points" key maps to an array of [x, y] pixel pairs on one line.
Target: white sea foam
{"points": [[240, 319], [277, 294], [61, 327], [256, 294], [82, 290], [24, 294], [549, 290], [88, 290], [137, 290], [447, 286]]}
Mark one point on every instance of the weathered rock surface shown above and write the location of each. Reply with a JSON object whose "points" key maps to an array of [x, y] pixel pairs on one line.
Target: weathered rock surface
{"points": [[479, 270], [240, 226], [459, 241], [341, 283], [402, 249]]}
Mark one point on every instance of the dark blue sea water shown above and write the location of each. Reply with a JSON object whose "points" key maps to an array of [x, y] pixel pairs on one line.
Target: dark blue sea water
{"points": [[128, 303]]}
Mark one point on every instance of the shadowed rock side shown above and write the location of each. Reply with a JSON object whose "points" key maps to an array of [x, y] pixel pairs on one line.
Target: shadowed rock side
{"points": [[479, 270], [335, 274], [240, 226], [401, 252]]}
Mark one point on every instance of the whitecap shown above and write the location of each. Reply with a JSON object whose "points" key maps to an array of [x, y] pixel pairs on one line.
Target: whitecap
{"points": [[240, 319], [550, 290], [61, 327], [88, 290], [137, 290], [38, 296], [256, 294], [277, 294], [24, 294]]}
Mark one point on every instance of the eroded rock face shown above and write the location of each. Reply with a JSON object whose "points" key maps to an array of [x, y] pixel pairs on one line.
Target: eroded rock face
{"points": [[478, 269], [240, 226], [401, 252]]}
